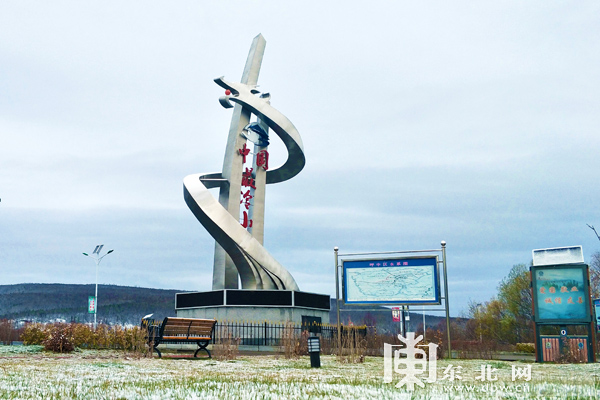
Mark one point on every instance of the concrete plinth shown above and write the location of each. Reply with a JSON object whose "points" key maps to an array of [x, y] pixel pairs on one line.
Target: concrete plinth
{"points": [[257, 314], [274, 306]]}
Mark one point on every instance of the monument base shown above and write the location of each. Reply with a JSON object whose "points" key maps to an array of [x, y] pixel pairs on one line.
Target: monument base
{"points": [[275, 306]]}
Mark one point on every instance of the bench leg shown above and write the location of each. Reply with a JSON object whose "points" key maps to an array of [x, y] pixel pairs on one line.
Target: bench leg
{"points": [[202, 346]]}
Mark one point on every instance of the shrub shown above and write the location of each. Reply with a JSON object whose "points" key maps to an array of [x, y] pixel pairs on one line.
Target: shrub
{"points": [[102, 337], [33, 334], [135, 340], [83, 335], [525, 348], [60, 338], [117, 338]]}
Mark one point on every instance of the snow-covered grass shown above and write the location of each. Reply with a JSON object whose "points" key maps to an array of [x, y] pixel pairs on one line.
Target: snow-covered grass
{"points": [[7, 350], [33, 374]]}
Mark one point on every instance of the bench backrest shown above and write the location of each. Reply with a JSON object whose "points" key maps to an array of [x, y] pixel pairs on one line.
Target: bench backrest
{"points": [[187, 327]]}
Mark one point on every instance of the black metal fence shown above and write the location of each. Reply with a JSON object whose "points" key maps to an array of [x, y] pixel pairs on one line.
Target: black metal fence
{"points": [[273, 334], [286, 334]]}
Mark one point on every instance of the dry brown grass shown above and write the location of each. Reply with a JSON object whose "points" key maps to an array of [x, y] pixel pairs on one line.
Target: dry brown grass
{"points": [[294, 344], [227, 347], [354, 345]]}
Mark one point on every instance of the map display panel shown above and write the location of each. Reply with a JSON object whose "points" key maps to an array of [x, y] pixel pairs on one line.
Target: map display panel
{"points": [[411, 280]]}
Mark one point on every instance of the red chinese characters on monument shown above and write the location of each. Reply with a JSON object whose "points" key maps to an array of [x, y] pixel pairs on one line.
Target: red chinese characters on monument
{"points": [[262, 159], [246, 197], [246, 223], [244, 151], [248, 181]]}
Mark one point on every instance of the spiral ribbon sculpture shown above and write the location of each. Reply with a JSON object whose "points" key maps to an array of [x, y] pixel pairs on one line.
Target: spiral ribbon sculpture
{"points": [[256, 267]]}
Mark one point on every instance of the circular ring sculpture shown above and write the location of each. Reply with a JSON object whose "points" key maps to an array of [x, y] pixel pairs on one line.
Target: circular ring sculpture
{"points": [[256, 267]]}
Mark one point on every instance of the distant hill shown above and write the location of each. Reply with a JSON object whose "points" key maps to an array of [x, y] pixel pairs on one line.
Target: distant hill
{"points": [[116, 304], [43, 302]]}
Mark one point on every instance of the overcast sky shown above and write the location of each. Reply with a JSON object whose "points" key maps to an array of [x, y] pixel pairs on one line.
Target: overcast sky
{"points": [[476, 123]]}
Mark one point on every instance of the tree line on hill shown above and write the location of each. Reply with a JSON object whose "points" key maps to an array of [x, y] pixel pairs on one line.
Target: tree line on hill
{"points": [[127, 305], [51, 302]]}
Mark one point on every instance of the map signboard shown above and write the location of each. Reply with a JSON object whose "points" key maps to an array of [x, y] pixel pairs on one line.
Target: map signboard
{"points": [[411, 280], [561, 293]]}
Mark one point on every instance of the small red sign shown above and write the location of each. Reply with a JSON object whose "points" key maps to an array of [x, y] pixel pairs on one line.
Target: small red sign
{"points": [[396, 314]]}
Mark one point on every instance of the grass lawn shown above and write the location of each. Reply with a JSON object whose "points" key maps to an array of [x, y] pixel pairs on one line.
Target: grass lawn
{"points": [[27, 372]]}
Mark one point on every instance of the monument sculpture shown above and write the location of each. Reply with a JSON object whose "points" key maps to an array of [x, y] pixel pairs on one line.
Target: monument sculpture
{"points": [[236, 219]]}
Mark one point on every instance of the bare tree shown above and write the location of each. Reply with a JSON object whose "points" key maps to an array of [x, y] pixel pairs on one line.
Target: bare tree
{"points": [[595, 275], [595, 269], [594, 229]]}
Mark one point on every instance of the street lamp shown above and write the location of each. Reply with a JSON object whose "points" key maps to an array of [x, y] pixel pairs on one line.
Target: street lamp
{"points": [[97, 258]]}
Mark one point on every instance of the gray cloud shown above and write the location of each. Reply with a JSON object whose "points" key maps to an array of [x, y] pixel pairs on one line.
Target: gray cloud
{"points": [[470, 123]]}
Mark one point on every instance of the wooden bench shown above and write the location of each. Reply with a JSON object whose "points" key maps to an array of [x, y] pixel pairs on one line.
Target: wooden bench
{"points": [[182, 330]]}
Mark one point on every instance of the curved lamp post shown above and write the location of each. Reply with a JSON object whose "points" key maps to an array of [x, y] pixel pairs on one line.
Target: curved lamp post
{"points": [[97, 258]]}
